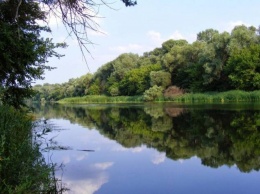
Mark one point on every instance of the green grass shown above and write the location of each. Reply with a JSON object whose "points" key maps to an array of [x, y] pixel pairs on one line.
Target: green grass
{"points": [[229, 96], [22, 166], [101, 99]]}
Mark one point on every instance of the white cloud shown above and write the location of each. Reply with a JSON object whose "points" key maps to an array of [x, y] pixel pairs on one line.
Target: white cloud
{"points": [[134, 48], [232, 24], [159, 158], [191, 38], [177, 35], [155, 37]]}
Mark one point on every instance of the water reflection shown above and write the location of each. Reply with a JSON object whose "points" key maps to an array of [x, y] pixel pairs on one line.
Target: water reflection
{"points": [[218, 137]]}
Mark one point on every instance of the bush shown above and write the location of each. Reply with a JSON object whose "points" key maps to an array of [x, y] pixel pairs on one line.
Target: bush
{"points": [[153, 93], [114, 91]]}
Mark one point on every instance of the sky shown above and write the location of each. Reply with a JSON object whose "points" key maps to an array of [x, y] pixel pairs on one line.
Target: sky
{"points": [[142, 28]]}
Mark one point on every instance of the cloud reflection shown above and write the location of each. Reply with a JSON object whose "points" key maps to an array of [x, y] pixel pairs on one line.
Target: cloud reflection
{"points": [[133, 150], [66, 159], [104, 165], [87, 186], [87, 180], [138, 149], [159, 158], [81, 156]]}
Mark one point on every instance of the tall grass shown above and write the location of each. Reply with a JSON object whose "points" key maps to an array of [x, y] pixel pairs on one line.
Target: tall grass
{"points": [[22, 166], [101, 99], [229, 96]]}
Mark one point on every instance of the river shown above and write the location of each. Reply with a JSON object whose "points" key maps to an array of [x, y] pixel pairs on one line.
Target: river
{"points": [[153, 148]]}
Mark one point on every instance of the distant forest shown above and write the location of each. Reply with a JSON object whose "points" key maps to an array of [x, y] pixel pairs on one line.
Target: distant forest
{"points": [[215, 62]]}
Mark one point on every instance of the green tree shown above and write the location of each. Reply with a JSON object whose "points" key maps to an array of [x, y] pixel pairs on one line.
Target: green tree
{"points": [[169, 44], [213, 59], [242, 37], [137, 80], [243, 68], [23, 52], [94, 88], [123, 64], [207, 35], [174, 59], [188, 75], [160, 78]]}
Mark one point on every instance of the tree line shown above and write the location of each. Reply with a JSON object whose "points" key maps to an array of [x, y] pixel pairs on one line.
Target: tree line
{"points": [[214, 62]]}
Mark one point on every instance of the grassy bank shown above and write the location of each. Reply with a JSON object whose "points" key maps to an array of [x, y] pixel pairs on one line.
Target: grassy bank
{"points": [[22, 166], [101, 99], [216, 97], [229, 96]]}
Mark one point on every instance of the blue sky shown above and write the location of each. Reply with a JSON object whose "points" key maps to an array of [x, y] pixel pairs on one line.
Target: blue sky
{"points": [[144, 27]]}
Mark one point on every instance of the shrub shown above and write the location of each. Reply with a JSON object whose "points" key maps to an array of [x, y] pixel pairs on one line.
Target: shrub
{"points": [[153, 93]]}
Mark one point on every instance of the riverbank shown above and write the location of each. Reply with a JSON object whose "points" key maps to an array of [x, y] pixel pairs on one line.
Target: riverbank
{"points": [[101, 99], [216, 97], [22, 167]]}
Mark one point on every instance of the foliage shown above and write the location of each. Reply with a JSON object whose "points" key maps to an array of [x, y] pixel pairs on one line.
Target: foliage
{"points": [[153, 93], [160, 78], [137, 80], [23, 52], [215, 62], [54, 92], [22, 166], [244, 68]]}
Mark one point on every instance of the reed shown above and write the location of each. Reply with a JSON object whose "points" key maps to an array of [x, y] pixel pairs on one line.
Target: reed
{"points": [[22, 166], [229, 96], [101, 99]]}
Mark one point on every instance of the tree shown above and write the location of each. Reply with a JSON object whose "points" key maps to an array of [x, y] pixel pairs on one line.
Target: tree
{"points": [[207, 35], [169, 44], [23, 52], [137, 80], [124, 63], [160, 78], [242, 37], [129, 2], [243, 68]]}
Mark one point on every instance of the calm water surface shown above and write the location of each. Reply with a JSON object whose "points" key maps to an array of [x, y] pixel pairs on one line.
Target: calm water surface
{"points": [[121, 149]]}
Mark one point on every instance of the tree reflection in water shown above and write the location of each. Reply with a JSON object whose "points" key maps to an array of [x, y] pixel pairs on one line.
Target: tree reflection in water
{"points": [[217, 136]]}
